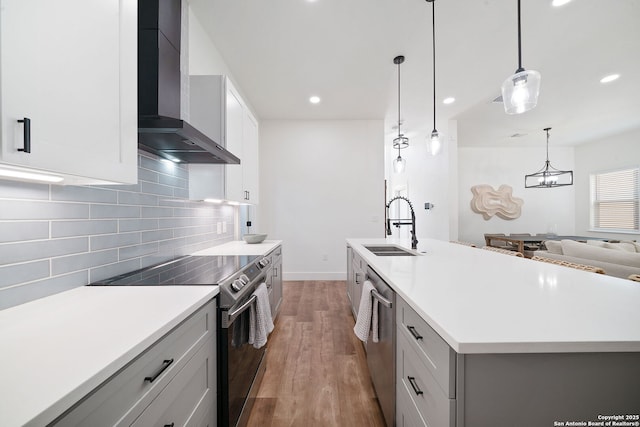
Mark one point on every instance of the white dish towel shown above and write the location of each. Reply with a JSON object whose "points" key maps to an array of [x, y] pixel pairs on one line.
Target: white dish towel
{"points": [[367, 314], [260, 321]]}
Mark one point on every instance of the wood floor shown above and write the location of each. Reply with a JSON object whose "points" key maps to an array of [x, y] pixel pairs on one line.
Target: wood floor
{"points": [[316, 368]]}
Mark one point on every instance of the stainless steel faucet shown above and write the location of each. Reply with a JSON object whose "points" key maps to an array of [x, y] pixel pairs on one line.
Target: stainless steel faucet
{"points": [[398, 221]]}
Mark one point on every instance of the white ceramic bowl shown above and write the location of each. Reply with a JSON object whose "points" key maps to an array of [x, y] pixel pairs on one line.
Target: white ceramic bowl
{"points": [[254, 238]]}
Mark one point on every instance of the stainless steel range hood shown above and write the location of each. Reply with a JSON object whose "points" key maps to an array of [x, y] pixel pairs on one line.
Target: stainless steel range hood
{"points": [[160, 129]]}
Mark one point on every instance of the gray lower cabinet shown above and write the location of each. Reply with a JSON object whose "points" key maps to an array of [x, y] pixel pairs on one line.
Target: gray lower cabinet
{"points": [[173, 381], [277, 278], [356, 272], [435, 386], [274, 279], [425, 372]]}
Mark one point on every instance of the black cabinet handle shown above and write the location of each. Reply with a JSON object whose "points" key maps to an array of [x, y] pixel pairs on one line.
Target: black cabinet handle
{"points": [[414, 386], [415, 333], [165, 365], [169, 425], [27, 135]]}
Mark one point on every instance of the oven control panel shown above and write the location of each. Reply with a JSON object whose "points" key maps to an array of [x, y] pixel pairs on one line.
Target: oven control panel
{"points": [[264, 262], [240, 282]]}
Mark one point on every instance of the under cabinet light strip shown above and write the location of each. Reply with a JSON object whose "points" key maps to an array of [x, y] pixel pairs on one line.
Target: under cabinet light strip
{"points": [[29, 176]]}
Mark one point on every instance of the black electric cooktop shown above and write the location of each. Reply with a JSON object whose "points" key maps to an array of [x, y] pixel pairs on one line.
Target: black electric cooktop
{"points": [[188, 270]]}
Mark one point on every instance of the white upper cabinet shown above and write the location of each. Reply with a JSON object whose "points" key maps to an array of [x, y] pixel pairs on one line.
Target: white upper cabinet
{"points": [[70, 67], [232, 126]]}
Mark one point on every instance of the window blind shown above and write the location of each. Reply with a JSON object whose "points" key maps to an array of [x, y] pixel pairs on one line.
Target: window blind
{"points": [[615, 198]]}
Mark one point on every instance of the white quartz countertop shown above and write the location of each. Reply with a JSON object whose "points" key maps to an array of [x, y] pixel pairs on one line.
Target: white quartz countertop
{"points": [[55, 350], [240, 247], [485, 302]]}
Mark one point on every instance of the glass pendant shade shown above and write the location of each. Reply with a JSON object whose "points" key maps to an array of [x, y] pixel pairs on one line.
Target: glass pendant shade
{"points": [[399, 164], [520, 91], [434, 143]]}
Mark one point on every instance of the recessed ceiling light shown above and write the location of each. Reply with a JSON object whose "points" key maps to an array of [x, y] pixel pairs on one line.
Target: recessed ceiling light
{"points": [[558, 3], [314, 99], [609, 78], [449, 100]]}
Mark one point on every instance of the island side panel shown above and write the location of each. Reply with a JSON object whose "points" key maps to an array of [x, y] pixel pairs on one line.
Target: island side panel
{"points": [[548, 389]]}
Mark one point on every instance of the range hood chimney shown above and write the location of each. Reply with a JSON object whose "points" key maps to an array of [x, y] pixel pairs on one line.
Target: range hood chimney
{"points": [[160, 129]]}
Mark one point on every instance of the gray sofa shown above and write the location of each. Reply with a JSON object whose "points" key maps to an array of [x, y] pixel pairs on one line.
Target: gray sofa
{"points": [[617, 259]]}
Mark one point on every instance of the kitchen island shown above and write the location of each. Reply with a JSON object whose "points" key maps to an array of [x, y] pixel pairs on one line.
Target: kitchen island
{"points": [[507, 340]]}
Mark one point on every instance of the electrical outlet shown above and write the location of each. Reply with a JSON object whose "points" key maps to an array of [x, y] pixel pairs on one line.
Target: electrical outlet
{"points": [[325, 257], [219, 228]]}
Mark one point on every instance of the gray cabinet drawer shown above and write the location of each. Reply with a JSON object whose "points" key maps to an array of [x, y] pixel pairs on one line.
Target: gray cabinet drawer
{"points": [[407, 414], [122, 398], [433, 405], [189, 396], [358, 261], [439, 357]]}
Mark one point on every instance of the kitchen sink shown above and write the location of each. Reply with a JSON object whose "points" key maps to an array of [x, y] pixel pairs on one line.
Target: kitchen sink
{"points": [[389, 250]]}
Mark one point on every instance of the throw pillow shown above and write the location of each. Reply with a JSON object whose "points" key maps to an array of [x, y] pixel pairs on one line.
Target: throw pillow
{"points": [[588, 252], [553, 246], [622, 246]]}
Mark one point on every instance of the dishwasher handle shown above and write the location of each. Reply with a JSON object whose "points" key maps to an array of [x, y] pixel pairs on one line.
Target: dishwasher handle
{"points": [[382, 300]]}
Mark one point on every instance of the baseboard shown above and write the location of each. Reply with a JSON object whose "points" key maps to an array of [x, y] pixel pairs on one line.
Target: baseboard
{"points": [[296, 276]]}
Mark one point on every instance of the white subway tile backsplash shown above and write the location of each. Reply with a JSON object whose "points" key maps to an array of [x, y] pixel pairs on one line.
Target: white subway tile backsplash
{"points": [[83, 228], [25, 209], [20, 273], [20, 231], [83, 261], [12, 253], [23, 190], [29, 291], [54, 238], [83, 194], [114, 241], [126, 225], [128, 198], [114, 211]]}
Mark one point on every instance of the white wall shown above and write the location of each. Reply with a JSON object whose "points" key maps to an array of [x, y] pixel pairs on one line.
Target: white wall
{"points": [[320, 183], [615, 152], [543, 209], [426, 179]]}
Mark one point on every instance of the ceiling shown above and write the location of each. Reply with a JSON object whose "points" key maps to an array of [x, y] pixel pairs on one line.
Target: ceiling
{"points": [[283, 51]]}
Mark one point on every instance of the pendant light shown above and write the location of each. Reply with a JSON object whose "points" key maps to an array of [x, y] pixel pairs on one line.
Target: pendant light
{"points": [[401, 142], [434, 142], [520, 91], [548, 176]]}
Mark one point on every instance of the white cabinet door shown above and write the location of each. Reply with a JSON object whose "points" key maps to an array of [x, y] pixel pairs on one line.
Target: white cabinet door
{"points": [[70, 66], [250, 167], [239, 130], [234, 129]]}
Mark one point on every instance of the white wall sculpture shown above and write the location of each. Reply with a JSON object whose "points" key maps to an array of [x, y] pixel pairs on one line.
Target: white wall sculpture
{"points": [[501, 203]]}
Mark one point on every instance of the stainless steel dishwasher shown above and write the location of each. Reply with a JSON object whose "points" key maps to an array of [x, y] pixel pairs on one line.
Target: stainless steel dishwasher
{"points": [[381, 355]]}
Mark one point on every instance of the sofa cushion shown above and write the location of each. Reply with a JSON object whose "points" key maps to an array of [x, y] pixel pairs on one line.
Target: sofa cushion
{"points": [[581, 250], [553, 246], [599, 243], [622, 246]]}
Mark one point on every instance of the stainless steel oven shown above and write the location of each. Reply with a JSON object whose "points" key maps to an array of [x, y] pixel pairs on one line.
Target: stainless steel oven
{"points": [[240, 365]]}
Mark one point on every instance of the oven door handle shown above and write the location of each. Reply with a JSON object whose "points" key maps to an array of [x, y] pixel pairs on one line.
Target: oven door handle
{"points": [[237, 312], [381, 299]]}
